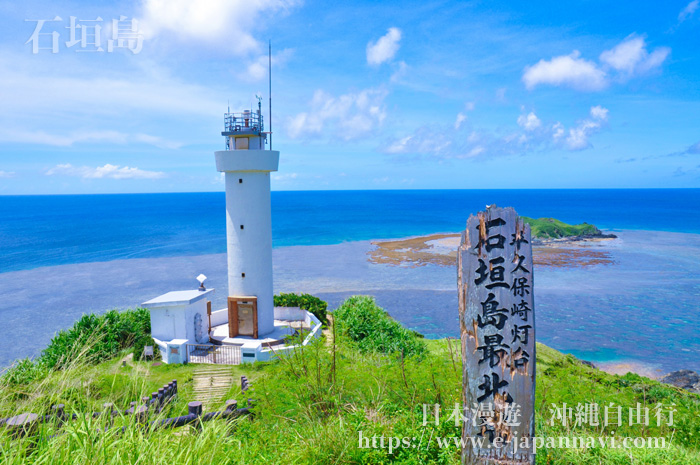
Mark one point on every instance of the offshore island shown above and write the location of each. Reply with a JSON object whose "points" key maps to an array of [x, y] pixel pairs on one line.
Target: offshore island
{"points": [[555, 244]]}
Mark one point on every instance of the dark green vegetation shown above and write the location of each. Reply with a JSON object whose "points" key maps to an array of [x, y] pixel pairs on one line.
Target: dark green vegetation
{"points": [[550, 228], [92, 339], [371, 328], [304, 301], [312, 404]]}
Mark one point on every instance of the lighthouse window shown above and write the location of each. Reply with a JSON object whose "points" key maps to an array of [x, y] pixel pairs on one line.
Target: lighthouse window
{"points": [[240, 181], [241, 143], [241, 226], [242, 275]]}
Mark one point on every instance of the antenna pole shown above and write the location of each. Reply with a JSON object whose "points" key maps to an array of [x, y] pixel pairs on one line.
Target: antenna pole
{"points": [[269, 73]]}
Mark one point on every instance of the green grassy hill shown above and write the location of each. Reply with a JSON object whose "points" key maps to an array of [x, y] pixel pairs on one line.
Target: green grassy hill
{"points": [[311, 406]]}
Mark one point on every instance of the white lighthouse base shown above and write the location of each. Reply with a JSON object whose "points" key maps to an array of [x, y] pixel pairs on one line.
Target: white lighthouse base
{"points": [[287, 321]]}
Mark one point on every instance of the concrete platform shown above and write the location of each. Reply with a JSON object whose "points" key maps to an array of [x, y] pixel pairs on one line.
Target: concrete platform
{"points": [[288, 321], [282, 330]]}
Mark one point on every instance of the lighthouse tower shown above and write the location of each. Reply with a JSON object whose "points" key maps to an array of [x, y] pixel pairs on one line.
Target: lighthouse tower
{"points": [[247, 165]]}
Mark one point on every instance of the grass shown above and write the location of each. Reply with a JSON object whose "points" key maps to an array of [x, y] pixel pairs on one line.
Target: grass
{"points": [[311, 405], [372, 329], [550, 228]]}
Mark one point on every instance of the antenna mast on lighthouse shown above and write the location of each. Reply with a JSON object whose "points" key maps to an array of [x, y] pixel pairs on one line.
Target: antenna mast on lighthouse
{"points": [[269, 74]]}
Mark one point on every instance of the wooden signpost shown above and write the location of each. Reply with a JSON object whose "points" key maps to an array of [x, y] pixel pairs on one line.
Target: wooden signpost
{"points": [[497, 324]]}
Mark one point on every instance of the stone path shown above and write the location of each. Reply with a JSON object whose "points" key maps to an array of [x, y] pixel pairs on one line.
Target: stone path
{"points": [[211, 384], [328, 330]]}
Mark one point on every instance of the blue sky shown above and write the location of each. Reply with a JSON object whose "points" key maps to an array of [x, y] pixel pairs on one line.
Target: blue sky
{"points": [[366, 95]]}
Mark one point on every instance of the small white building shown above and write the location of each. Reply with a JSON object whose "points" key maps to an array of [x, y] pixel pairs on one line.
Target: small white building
{"points": [[178, 318]]}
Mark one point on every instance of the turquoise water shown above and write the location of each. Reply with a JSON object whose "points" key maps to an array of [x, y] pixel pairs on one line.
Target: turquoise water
{"points": [[68, 255]]}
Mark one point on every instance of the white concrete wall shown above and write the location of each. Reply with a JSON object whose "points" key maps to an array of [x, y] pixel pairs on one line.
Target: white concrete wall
{"points": [[247, 160], [250, 249], [177, 322], [219, 317], [168, 322], [290, 313], [316, 331], [162, 348], [201, 308]]}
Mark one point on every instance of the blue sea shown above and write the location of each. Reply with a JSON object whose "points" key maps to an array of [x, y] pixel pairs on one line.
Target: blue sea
{"points": [[40, 231], [63, 256]]}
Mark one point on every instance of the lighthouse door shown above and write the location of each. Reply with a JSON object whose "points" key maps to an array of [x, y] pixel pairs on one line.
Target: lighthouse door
{"points": [[245, 319], [243, 316]]}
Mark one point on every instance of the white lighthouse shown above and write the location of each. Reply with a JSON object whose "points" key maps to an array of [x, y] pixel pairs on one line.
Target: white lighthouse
{"points": [[250, 328], [247, 165]]}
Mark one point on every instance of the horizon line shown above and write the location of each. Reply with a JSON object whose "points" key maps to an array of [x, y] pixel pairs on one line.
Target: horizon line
{"points": [[367, 190]]}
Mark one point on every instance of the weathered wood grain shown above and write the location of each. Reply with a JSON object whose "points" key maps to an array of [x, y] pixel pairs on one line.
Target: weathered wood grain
{"points": [[497, 325]]}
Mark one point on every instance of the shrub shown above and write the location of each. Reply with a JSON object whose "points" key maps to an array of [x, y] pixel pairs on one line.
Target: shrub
{"points": [[372, 329], [305, 301], [24, 371], [92, 339], [97, 337], [141, 342]]}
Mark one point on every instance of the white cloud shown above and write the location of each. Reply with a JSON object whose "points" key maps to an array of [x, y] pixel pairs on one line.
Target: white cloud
{"points": [[688, 11], [7, 174], [567, 70], [347, 116], [475, 151], [399, 146], [531, 135], [101, 172], [384, 48], [627, 59], [44, 138], [67, 140], [400, 72], [258, 68], [157, 141], [631, 57], [529, 122], [219, 179], [599, 113], [461, 118], [558, 132], [223, 24], [62, 93], [578, 136], [423, 141], [284, 177]]}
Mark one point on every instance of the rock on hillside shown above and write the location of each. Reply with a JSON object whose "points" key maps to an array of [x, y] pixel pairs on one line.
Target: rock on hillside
{"points": [[685, 379]]}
